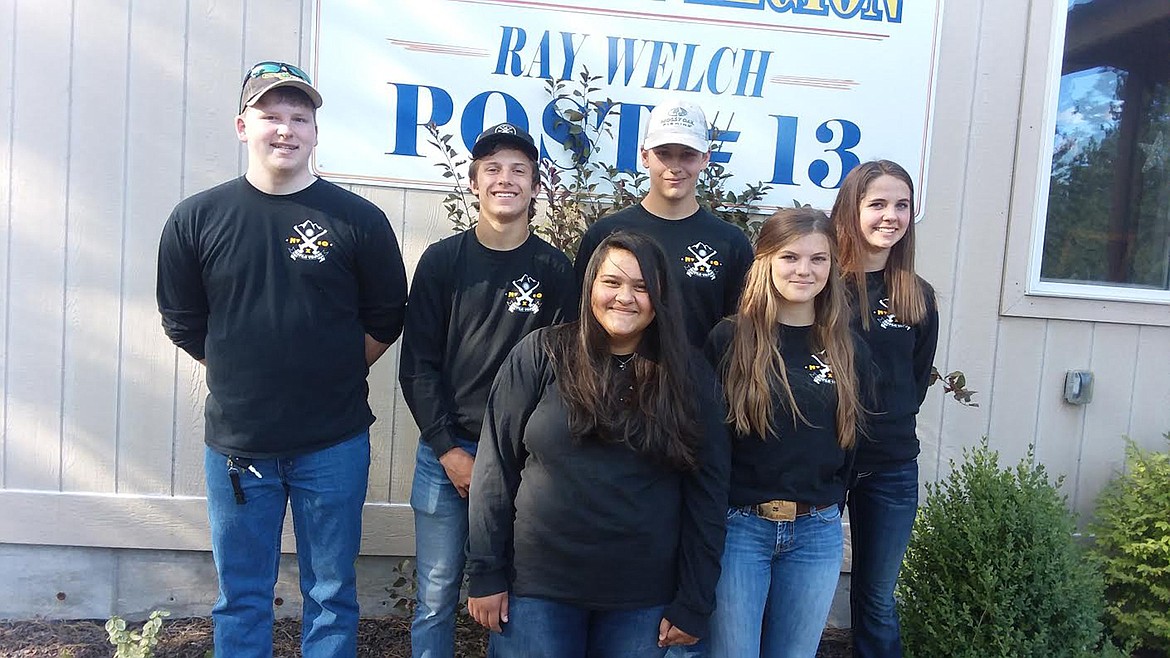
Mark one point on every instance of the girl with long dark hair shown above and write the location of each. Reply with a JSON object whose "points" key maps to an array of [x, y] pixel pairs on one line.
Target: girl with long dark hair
{"points": [[791, 374], [896, 315], [598, 497]]}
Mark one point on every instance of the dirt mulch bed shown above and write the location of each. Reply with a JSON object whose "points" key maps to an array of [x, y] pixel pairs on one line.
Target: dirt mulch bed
{"points": [[386, 637]]}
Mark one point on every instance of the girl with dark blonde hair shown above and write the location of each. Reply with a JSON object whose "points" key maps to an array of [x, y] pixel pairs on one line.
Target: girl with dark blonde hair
{"points": [[896, 316], [791, 378]]}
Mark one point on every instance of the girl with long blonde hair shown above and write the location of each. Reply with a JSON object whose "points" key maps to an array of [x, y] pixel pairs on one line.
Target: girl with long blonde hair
{"points": [[791, 377]]}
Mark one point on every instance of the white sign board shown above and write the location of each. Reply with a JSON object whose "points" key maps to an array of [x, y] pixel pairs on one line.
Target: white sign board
{"points": [[806, 88]]}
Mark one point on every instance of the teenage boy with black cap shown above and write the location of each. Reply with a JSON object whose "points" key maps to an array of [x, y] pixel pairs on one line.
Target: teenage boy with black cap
{"points": [[473, 296], [710, 257], [287, 288]]}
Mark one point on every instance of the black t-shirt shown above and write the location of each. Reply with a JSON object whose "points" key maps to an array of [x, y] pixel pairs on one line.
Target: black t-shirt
{"points": [[903, 356], [797, 461], [591, 523], [709, 260], [468, 306], [277, 292]]}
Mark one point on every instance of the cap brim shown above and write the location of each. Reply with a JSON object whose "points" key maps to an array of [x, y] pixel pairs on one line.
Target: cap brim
{"points": [[686, 139], [295, 83], [489, 143]]}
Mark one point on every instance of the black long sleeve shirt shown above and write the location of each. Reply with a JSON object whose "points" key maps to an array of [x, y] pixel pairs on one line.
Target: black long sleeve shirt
{"points": [[902, 355], [276, 292], [708, 257], [468, 306], [797, 461], [589, 523]]}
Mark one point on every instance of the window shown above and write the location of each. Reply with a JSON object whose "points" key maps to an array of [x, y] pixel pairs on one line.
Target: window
{"points": [[1107, 233]]}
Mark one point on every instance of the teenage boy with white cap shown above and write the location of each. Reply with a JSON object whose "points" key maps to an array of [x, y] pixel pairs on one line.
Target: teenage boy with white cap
{"points": [[474, 295], [710, 256], [287, 288]]}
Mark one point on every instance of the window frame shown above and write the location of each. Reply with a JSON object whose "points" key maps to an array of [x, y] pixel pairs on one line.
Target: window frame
{"points": [[1024, 293]]}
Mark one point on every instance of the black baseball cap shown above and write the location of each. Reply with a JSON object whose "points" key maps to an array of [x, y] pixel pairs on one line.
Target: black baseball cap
{"points": [[504, 133]]}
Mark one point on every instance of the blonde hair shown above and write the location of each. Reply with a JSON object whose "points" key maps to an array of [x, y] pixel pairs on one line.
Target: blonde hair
{"points": [[754, 363]]}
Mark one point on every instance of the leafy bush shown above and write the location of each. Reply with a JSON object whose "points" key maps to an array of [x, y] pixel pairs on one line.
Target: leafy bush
{"points": [[993, 569], [1133, 546]]}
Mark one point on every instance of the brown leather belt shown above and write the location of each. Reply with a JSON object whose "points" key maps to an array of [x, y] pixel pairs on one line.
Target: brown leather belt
{"points": [[783, 510]]}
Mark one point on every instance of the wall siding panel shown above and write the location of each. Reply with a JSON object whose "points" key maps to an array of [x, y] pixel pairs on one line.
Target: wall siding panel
{"points": [[1150, 406], [982, 230], [97, 169], [36, 265], [155, 157], [1102, 449], [942, 210], [1059, 425], [1013, 402], [7, 180]]}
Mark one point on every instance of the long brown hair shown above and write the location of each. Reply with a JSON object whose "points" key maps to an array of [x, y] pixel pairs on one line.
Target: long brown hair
{"points": [[658, 416], [907, 295], [754, 364]]}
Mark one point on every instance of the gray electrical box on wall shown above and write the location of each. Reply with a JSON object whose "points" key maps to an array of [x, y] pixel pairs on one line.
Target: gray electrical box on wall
{"points": [[1078, 386]]}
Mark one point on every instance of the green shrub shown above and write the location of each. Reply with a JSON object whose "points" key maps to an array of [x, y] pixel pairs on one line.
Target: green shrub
{"points": [[993, 569], [1133, 546]]}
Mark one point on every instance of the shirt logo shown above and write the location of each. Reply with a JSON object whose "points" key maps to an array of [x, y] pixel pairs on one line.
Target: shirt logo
{"points": [[885, 318], [523, 298], [821, 372], [701, 262], [309, 242]]}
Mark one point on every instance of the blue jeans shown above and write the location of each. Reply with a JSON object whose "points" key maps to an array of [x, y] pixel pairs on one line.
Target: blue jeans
{"points": [[540, 627], [882, 507], [440, 535], [776, 587], [326, 490]]}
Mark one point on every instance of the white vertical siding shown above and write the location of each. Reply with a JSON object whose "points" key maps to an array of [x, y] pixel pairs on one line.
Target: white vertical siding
{"points": [[36, 249], [96, 201]]}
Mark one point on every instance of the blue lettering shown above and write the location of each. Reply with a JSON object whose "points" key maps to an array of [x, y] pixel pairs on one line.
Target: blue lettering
{"points": [[685, 75], [746, 71], [785, 160], [541, 57], [406, 119], [819, 170], [624, 58], [713, 70], [629, 132], [472, 123], [657, 65], [508, 61]]}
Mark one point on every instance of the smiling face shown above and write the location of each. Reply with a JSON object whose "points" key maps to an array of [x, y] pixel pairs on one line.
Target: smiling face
{"points": [[885, 215], [280, 133], [674, 173], [800, 270], [504, 184], [620, 301]]}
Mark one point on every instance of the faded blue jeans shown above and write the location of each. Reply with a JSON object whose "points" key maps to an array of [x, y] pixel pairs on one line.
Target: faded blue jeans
{"points": [[326, 490], [776, 587], [540, 627], [882, 507], [440, 532]]}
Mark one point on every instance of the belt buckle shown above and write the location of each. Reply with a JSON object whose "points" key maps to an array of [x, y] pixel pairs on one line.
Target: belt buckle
{"points": [[777, 510]]}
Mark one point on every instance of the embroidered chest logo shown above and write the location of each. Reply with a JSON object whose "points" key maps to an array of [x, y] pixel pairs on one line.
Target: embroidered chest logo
{"points": [[821, 372], [886, 318], [701, 262], [523, 297], [309, 243]]}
